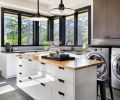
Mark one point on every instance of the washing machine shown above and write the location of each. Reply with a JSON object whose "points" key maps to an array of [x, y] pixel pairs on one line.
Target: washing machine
{"points": [[115, 68], [101, 54]]}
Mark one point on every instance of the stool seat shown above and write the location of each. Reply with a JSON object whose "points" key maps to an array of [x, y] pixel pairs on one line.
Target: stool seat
{"points": [[102, 81]]}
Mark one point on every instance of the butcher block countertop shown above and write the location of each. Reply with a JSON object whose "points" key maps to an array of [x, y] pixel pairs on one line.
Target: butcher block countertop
{"points": [[76, 64]]}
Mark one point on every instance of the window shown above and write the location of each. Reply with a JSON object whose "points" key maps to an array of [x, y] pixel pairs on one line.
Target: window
{"points": [[26, 31], [56, 32], [11, 28], [18, 30], [83, 28], [43, 31], [69, 34]]}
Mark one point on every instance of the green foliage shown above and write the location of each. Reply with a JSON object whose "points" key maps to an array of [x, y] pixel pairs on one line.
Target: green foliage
{"points": [[46, 43]]}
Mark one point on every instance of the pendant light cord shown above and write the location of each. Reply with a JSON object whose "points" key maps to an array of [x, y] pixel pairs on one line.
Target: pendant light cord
{"points": [[38, 6], [61, 1]]}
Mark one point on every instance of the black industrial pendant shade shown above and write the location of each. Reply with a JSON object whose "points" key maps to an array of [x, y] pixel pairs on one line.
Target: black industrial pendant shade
{"points": [[61, 10]]}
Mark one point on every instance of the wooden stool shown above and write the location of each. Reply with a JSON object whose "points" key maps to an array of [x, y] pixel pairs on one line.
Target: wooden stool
{"points": [[102, 82]]}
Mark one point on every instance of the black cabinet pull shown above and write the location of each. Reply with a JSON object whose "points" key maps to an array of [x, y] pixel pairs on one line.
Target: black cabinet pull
{"points": [[60, 80], [61, 68], [20, 73], [42, 63], [20, 81], [20, 57], [29, 60], [20, 65], [61, 93], [42, 84], [30, 78]]}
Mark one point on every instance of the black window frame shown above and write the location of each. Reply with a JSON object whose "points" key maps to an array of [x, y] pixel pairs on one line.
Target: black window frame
{"points": [[35, 26], [77, 12]]}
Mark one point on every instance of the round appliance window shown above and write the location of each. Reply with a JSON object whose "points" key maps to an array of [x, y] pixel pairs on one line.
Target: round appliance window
{"points": [[116, 67], [101, 69]]}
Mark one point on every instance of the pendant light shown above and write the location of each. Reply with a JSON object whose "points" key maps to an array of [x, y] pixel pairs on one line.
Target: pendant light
{"points": [[38, 17], [61, 10]]}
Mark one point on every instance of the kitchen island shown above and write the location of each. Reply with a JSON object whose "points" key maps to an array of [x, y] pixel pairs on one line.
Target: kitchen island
{"points": [[57, 80]]}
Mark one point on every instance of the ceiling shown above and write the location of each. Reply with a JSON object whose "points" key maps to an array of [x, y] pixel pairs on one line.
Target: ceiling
{"points": [[68, 3], [45, 5]]}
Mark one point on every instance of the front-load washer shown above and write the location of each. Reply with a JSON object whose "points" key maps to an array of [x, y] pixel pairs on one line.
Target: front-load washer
{"points": [[101, 54], [115, 68]]}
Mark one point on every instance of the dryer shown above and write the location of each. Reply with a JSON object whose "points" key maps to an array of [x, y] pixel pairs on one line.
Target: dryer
{"points": [[101, 54], [115, 68]]}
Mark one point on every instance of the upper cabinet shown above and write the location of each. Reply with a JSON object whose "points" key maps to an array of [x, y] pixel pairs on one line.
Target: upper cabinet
{"points": [[114, 19], [106, 19], [100, 19]]}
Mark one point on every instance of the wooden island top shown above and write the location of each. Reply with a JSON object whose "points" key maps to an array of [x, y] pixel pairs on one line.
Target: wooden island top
{"points": [[78, 63]]}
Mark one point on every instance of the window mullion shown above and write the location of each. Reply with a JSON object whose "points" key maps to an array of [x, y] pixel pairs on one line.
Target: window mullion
{"points": [[19, 29]]}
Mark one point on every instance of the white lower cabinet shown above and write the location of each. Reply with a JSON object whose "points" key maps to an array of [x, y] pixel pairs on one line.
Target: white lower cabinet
{"points": [[59, 95], [49, 82], [43, 92], [63, 73], [63, 85]]}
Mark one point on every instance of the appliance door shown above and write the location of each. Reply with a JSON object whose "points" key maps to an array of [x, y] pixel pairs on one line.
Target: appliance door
{"points": [[116, 67], [102, 68]]}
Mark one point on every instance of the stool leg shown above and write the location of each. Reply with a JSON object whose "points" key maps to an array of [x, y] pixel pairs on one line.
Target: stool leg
{"points": [[111, 92], [97, 89], [102, 92]]}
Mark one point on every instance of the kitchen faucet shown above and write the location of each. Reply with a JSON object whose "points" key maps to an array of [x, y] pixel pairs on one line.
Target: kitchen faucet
{"points": [[72, 46]]}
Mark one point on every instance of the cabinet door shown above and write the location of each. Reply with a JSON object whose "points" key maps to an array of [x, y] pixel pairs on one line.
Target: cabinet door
{"points": [[100, 25], [114, 18], [30, 68]]}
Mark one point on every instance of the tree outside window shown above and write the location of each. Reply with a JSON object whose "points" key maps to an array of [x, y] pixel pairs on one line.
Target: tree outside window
{"points": [[43, 31], [69, 37], [83, 28], [27, 31], [11, 28], [56, 31]]}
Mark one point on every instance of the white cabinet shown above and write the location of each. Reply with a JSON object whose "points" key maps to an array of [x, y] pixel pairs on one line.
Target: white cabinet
{"points": [[8, 65], [44, 81], [63, 73], [59, 95]]}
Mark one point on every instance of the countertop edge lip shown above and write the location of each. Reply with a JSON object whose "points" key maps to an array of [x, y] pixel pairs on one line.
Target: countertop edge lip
{"points": [[67, 67]]}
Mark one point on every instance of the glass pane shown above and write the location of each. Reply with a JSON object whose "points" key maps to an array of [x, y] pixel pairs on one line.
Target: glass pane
{"points": [[83, 28], [11, 28], [56, 32], [43, 31], [27, 31], [69, 39]]}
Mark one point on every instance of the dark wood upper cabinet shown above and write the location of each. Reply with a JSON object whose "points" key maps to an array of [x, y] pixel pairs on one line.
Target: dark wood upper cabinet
{"points": [[106, 19], [100, 18], [114, 19]]}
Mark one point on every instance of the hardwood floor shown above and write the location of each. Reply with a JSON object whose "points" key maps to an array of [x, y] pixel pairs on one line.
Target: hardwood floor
{"points": [[9, 91]]}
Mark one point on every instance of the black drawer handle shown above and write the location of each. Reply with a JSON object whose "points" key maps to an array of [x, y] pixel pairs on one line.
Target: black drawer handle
{"points": [[42, 63], [42, 84], [61, 93], [20, 81], [61, 68], [30, 78], [60, 80], [20, 73], [20, 65], [29, 60], [20, 57]]}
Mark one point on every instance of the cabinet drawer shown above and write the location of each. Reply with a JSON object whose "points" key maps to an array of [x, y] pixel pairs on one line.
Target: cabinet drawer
{"points": [[29, 87], [45, 67], [62, 73], [62, 85], [43, 91], [59, 95]]}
